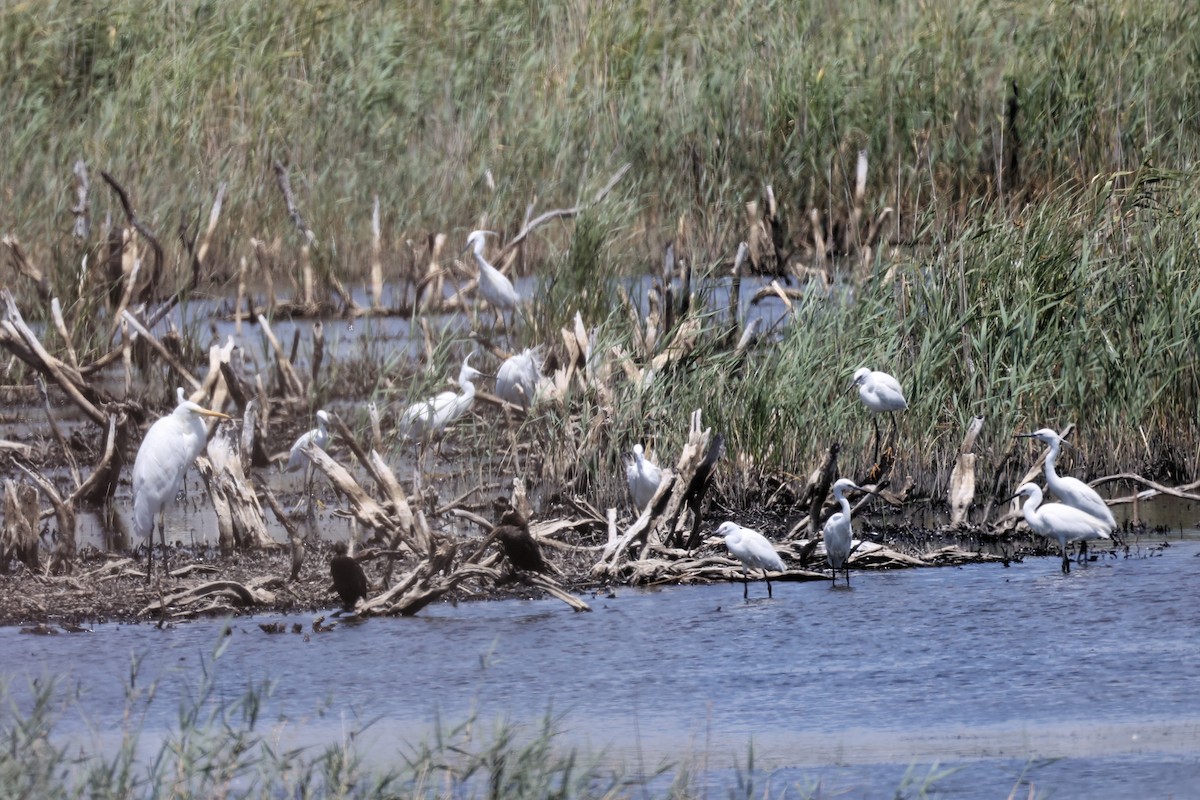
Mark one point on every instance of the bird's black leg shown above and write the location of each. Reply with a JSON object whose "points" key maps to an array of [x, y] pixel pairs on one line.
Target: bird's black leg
{"points": [[846, 569], [765, 575], [1083, 553], [875, 422], [1066, 562], [165, 564], [745, 585]]}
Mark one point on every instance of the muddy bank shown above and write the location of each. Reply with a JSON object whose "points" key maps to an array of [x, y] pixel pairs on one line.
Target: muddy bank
{"points": [[109, 587]]}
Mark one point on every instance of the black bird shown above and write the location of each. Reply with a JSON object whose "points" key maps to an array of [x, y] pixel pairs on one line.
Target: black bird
{"points": [[518, 545], [349, 580]]}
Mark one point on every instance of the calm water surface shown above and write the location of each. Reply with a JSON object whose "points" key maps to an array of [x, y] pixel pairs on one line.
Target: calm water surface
{"points": [[1081, 685]]}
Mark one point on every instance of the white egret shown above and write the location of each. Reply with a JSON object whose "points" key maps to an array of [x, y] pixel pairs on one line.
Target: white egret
{"points": [[643, 477], [318, 436], [429, 418], [879, 392], [839, 532], [297, 458], [754, 551], [1059, 522], [349, 580], [519, 377], [495, 287], [170, 447], [1070, 491]]}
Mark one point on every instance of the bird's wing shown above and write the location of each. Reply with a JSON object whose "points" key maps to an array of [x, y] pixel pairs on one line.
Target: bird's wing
{"points": [[296, 457]]}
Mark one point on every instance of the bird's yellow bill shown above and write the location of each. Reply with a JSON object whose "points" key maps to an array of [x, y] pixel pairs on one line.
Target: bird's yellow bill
{"points": [[208, 412]]}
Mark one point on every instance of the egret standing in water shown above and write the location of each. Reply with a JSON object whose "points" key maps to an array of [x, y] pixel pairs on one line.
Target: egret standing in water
{"points": [[643, 477], [839, 532], [754, 551], [518, 378], [879, 392], [1059, 522], [163, 459], [429, 418], [1071, 491], [318, 437], [495, 287]]}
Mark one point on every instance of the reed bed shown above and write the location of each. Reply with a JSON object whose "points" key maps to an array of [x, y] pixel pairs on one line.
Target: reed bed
{"points": [[1034, 265]]}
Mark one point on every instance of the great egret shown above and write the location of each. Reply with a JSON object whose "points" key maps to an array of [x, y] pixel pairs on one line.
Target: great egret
{"points": [[518, 544], [643, 477], [429, 418], [1059, 522], [349, 580], [879, 392], [495, 287], [754, 551], [1070, 491], [170, 447], [839, 531], [518, 378], [319, 437]]}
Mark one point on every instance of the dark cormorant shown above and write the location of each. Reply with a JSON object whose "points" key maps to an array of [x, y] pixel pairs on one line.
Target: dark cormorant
{"points": [[349, 580], [519, 546]]}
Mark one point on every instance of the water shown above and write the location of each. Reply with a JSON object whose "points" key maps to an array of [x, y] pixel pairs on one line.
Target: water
{"points": [[1081, 686]]}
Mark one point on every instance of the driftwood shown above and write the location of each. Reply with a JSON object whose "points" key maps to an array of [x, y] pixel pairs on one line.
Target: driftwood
{"points": [[63, 559], [19, 532], [241, 523], [241, 594], [962, 480]]}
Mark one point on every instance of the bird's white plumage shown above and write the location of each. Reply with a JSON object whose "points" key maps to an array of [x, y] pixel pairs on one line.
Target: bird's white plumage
{"points": [[519, 377], [839, 532], [879, 391], [750, 547], [318, 436], [495, 287], [430, 417], [1059, 522], [643, 477], [1071, 491], [170, 447]]}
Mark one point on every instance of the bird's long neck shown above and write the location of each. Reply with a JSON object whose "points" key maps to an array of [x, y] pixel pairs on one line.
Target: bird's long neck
{"points": [[468, 387], [842, 501], [482, 262], [1029, 510], [1051, 462]]}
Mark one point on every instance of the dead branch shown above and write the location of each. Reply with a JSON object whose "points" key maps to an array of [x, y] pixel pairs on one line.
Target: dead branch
{"points": [[21, 264], [136, 224], [284, 180]]}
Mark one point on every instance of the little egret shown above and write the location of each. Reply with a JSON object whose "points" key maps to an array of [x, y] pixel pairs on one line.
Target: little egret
{"points": [[1070, 491], [643, 477], [518, 544], [754, 551], [879, 392], [1059, 522], [839, 531], [319, 437], [170, 447], [518, 378], [495, 287], [349, 580], [429, 418]]}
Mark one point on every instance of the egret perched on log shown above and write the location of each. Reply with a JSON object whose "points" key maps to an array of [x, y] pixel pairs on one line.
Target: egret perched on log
{"points": [[879, 392], [1059, 522], [429, 418], [318, 437], [643, 477], [518, 378], [170, 447], [495, 287], [839, 532], [1071, 491], [518, 544], [754, 551], [349, 580]]}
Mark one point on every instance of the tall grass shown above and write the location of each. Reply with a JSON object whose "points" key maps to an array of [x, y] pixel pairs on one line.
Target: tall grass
{"points": [[1036, 268]]}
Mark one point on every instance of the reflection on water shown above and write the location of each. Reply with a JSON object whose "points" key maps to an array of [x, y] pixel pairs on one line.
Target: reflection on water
{"points": [[987, 669]]}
